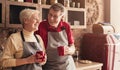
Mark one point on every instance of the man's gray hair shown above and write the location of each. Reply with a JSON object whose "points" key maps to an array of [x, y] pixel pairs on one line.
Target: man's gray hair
{"points": [[58, 7]]}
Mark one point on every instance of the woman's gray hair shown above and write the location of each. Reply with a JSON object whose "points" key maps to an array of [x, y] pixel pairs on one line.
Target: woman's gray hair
{"points": [[26, 14]]}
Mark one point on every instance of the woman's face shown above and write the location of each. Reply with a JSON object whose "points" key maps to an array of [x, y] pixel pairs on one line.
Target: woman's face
{"points": [[54, 17], [32, 23]]}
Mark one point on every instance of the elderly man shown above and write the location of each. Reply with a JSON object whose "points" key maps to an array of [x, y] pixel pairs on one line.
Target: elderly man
{"points": [[55, 32]]}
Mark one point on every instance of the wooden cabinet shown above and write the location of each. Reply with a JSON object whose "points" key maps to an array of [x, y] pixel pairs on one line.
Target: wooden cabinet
{"points": [[2, 13], [75, 16]]}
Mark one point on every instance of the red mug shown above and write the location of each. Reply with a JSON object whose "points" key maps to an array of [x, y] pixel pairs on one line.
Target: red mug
{"points": [[60, 50], [39, 54]]}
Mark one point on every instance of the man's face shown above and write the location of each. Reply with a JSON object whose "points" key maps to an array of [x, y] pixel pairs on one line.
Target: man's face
{"points": [[54, 17]]}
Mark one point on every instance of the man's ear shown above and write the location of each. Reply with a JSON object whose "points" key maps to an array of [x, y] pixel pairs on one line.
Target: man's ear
{"points": [[63, 17]]}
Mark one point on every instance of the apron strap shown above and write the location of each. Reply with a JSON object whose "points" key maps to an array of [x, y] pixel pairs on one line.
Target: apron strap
{"points": [[24, 38], [36, 38]]}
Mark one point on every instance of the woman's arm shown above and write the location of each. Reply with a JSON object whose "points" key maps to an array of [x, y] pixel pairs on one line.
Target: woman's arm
{"points": [[8, 59]]}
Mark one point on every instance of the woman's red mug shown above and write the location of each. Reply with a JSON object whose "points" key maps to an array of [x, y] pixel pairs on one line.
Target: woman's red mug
{"points": [[60, 50], [40, 55]]}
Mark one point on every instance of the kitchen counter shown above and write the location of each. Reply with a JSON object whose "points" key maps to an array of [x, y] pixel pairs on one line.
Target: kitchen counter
{"points": [[88, 66]]}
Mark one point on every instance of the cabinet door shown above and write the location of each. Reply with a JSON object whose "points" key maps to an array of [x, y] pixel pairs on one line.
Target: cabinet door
{"points": [[2, 13], [12, 12]]}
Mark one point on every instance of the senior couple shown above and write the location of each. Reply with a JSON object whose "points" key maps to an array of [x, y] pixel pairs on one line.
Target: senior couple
{"points": [[21, 47]]}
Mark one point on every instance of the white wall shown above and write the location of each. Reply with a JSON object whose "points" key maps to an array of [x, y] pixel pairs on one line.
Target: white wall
{"points": [[115, 14]]}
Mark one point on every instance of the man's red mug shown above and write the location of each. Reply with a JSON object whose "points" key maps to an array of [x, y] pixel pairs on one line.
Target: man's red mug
{"points": [[40, 55], [60, 50]]}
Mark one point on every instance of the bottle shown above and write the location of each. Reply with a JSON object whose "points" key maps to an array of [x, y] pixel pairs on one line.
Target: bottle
{"points": [[39, 2], [72, 4]]}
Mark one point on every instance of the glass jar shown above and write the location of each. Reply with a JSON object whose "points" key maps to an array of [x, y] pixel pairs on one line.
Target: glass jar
{"points": [[43, 1], [78, 5], [53, 1]]}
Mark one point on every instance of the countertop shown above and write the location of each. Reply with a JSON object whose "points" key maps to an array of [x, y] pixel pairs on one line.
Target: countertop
{"points": [[88, 66]]}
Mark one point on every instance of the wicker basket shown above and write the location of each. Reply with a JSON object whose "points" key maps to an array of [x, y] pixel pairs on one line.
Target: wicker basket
{"points": [[103, 29]]}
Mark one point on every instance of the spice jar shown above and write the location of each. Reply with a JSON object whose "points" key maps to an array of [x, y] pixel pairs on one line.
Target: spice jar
{"points": [[72, 4], [66, 3]]}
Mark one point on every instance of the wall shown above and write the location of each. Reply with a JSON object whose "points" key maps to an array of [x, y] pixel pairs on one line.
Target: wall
{"points": [[5, 32], [115, 14], [107, 10], [112, 13]]}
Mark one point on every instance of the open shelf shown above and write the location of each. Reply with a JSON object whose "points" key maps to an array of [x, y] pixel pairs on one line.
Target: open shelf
{"points": [[76, 21], [13, 9], [9, 12]]}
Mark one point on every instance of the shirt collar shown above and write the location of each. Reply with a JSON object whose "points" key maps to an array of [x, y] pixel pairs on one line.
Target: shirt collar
{"points": [[59, 28], [28, 33]]}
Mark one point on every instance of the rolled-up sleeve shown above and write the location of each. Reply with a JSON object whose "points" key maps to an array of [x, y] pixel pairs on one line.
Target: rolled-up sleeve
{"points": [[8, 59]]}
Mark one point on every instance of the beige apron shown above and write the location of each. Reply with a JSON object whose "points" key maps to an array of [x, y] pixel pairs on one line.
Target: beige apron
{"points": [[56, 62], [29, 48]]}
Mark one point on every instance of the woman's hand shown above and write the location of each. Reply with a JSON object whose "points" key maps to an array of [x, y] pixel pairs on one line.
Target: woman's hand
{"points": [[41, 57], [28, 60], [31, 59], [43, 60]]}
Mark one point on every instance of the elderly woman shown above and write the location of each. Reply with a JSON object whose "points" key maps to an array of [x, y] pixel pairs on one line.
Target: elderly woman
{"points": [[21, 47]]}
